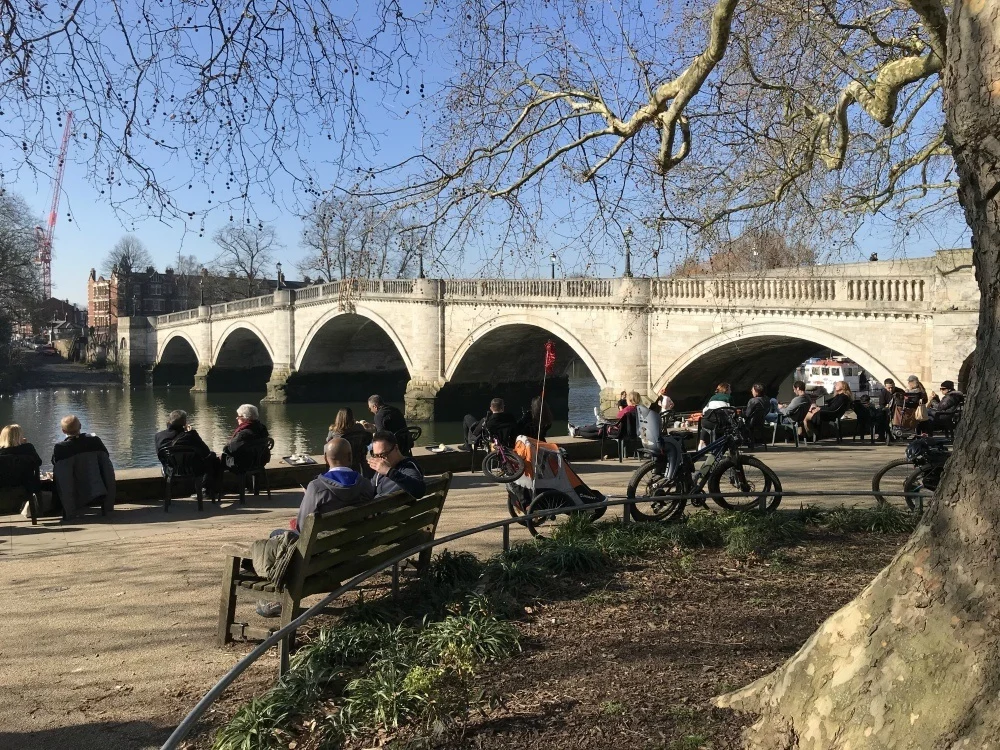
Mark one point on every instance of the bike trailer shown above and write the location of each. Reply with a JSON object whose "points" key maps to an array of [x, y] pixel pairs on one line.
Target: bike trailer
{"points": [[546, 468]]}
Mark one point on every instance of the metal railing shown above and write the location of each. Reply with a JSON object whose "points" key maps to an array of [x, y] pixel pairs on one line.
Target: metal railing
{"points": [[189, 721]]}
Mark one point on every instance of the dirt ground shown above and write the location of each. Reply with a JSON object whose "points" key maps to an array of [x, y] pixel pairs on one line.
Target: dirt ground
{"points": [[110, 623]]}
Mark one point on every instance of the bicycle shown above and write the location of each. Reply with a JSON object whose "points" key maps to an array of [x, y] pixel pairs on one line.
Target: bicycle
{"points": [[660, 484], [924, 463], [501, 463]]}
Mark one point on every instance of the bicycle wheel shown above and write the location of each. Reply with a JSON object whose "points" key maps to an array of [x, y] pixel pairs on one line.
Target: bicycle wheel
{"points": [[746, 474], [915, 483], [654, 495], [553, 500], [503, 466], [891, 478]]}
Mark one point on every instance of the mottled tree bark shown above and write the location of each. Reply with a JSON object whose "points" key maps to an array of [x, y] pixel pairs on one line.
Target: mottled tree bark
{"points": [[914, 660]]}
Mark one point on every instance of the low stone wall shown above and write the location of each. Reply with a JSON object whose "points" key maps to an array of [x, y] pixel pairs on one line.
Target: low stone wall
{"points": [[146, 485]]}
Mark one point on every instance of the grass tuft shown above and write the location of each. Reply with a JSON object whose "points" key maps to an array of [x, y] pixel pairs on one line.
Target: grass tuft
{"points": [[882, 519]]}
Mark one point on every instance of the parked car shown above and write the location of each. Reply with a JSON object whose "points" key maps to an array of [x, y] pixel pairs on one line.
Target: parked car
{"points": [[47, 349]]}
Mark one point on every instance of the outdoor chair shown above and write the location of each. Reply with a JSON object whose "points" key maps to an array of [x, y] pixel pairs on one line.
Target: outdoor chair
{"points": [[866, 421], [624, 434], [949, 430], [249, 462], [407, 438], [753, 428], [181, 463], [791, 422]]}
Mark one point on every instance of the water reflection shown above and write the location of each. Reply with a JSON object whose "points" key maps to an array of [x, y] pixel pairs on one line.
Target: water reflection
{"points": [[127, 419]]}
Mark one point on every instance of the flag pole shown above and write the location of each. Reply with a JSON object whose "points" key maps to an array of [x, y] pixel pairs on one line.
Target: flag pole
{"points": [[550, 362]]}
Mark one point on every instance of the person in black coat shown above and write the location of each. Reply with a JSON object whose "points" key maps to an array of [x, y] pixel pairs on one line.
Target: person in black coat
{"points": [[249, 429], [497, 422], [944, 414], [75, 442], [179, 435], [537, 422], [831, 410], [21, 469]]}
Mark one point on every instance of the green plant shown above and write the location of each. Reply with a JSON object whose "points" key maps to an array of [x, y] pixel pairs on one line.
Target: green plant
{"points": [[882, 519], [611, 708], [483, 638], [453, 569], [515, 572], [757, 536], [810, 515], [573, 557]]}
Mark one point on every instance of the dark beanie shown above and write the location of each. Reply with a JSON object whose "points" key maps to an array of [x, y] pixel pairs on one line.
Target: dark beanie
{"points": [[949, 384]]}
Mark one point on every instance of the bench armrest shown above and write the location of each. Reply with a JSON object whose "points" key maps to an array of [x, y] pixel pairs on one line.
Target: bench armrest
{"points": [[236, 550]]}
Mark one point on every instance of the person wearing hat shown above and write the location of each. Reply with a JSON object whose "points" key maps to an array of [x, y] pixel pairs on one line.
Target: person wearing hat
{"points": [[944, 415]]}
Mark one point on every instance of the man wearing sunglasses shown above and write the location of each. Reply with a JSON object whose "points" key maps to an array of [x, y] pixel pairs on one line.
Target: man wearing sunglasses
{"points": [[393, 470]]}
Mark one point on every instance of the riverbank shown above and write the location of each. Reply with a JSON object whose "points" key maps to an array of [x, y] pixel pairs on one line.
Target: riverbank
{"points": [[54, 372]]}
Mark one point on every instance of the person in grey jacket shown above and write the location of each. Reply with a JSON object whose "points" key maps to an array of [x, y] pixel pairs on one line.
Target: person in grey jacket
{"points": [[798, 406], [393, 470], [340, 487]]}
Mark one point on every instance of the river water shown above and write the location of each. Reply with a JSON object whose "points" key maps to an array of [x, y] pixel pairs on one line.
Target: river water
{"points": [[126, 419]]}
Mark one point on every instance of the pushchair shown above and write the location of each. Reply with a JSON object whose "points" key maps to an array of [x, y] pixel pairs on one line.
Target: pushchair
{"points": [[548, 483], [906, 417]]}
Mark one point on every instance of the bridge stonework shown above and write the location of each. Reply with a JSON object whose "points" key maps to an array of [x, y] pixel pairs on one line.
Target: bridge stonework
{"points": [[895, 318]]}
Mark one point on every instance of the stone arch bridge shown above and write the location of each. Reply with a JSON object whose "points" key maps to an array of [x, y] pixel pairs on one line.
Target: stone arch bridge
{"points": [[439, 343]]}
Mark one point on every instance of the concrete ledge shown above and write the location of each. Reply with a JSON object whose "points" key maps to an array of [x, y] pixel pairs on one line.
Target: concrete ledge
{"points": [[144, 485]]}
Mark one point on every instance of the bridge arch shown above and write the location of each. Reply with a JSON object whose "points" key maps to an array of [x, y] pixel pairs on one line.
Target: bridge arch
{"points": [[505, 357], [172, 338], [529, 321], [220, 341], [358, 311], [243, 359], [177, 360], [764, 352]]}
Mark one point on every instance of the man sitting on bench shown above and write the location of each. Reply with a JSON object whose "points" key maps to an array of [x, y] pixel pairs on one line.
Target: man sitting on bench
{"points": [[393, 470], [340, 487]]}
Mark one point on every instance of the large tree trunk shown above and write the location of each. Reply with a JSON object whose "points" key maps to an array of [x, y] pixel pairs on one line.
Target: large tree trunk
{"points": [[914, 660]]}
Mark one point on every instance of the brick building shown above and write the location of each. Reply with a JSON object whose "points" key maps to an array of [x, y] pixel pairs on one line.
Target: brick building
{"points": [[153, 293]]}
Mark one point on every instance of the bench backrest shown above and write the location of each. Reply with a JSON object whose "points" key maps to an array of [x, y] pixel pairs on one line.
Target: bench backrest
{"points": [[333, 547]]}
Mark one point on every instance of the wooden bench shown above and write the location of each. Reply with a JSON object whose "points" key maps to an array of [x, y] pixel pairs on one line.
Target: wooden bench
{"points": [[332, 548]]}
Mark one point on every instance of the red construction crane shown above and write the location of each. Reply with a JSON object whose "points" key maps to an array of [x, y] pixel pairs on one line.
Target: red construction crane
{"points": [[45, 235]]}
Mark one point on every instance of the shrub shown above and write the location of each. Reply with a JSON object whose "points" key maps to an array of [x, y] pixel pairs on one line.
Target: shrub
{"points": [[453, 570], [882, 519], [482, 638], [573, 557]]}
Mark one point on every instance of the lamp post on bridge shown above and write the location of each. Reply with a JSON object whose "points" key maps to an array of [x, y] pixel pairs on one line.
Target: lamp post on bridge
{"points": [[278, 267], [552, 260], [420, 260], [627, 234]]}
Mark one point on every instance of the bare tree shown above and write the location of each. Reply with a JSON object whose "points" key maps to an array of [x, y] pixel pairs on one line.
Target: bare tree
{"points": [[346, 237], [232, 96], [128, 258], [737, 115], [246, 252], [20, 286]]}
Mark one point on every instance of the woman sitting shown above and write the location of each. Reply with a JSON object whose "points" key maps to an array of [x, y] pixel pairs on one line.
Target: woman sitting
{"points": [[719, 400], [23, 455], [537, 422], [354, 433], [830, 411]]}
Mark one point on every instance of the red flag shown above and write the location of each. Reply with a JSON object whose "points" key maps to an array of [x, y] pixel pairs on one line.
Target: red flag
{"points": [[550, 357]]}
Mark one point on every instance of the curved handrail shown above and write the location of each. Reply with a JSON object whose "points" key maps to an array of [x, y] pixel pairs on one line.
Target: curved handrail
{"points": [[187, 724]]}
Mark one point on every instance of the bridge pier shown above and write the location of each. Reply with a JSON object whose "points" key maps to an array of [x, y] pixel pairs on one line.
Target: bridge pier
{"points": [[201, 379], [277, 386], [420, 399]]}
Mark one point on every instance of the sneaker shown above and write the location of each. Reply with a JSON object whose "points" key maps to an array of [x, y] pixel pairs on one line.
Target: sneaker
{"points": [[268, 609]]}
